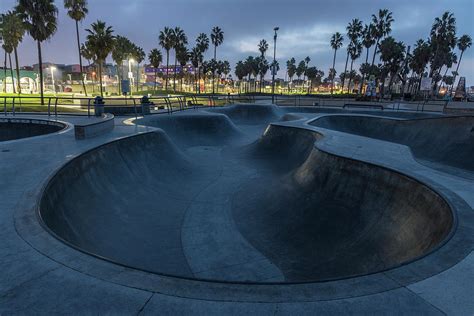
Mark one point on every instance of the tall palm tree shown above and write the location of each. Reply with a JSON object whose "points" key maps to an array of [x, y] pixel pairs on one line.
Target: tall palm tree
{"points": [[196, 57], [306, 61], [87, 53], [13, 32], [368, 40], [182, 55], [217, 38], [202, 44], [355, 51], [101, 40], [77, 10], [40, 20], [139, 55], [179, 41], [155, 58], [382, 27], [166, 41], [464, 42], [262, 47], [336, 43], [354, 32]]}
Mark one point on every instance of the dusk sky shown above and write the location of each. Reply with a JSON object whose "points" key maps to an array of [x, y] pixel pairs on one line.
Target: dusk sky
{"points": [[305, 26]]}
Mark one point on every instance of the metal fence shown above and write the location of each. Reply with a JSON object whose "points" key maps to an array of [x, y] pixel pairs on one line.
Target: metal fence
{"points": [[87, 106]]}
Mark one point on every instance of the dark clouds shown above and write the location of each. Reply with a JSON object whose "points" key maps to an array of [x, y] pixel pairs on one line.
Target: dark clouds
{"points": [[305, 26]]}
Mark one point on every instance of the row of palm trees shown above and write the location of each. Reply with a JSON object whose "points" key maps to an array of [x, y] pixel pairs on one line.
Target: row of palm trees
{"points": [[396, 61]]}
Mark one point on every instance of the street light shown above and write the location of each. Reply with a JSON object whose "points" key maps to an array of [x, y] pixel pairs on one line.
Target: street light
{"points": [[274, 63], [52, 68]]}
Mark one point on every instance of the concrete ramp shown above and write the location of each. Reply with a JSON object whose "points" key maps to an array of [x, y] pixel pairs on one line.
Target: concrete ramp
{"points": [[223, 207], [442, 140]]}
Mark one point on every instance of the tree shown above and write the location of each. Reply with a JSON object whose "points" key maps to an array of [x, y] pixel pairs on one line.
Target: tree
{"points": [[179, 40], [196, 58], [355, 50], [122, 50], [368, 40], [464, 42], [392, 54], [314, 76], [443, 40], [40, 20], [240, 72], [217, 38], [101, 40], [13, 32], [139, 55], [155, 58], [263, 68], [77, 10], [300, 69], [202, 44], [291, 69], [166, 40], [420, 58], [183, 57], [262, 47], [336, 43], [382, 27], [5, 52], [354, 32]]}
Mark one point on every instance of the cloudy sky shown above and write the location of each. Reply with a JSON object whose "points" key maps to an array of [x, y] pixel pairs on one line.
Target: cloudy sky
{"points": [[305, 25]]}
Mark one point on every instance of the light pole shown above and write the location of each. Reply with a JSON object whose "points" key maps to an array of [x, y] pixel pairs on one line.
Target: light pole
{"points": [[52, 68], [274, 62]]}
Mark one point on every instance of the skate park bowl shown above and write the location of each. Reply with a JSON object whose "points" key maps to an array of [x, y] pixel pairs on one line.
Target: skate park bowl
{"points": [[222, 195], [13, 128]]}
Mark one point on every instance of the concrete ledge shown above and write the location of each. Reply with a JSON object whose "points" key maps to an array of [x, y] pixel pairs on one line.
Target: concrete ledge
{"points": [[88, 130]]}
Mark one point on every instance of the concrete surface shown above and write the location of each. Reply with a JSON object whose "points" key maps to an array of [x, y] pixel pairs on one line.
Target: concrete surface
{"points": [[43, 275]]}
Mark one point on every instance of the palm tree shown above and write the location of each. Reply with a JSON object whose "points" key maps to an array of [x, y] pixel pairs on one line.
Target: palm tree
{"points": [[155, 57], [87, 53], [354, 32], [77, 10], [336, 43], [179, 41], [196, 57], [263, 47], [443, 40], [291, 69], [464, 42], [202, 44], [183, 57], [382, 27], [262, 69], [355, 51], [368, 39], [217, 38], [139, 55], [101, 40], [166, 41], [13, 32], [306, 61], [420, 58], [392, 54], [240, 72], [122, 50], [40, 20]]}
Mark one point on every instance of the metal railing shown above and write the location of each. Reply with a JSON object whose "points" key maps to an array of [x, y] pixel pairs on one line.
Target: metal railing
{"points": [[72, 105]]}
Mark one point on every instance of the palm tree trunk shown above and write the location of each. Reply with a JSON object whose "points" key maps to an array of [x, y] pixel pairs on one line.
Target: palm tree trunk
{"points": [[80, 57], [11, 73], [40, 62], [167, 66], [444, 76], [345, 69], [363, 75], [350, 77], [375, 51], [154, 86], [17, 71], [456, 74], [100, 79], [334, 71]]}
